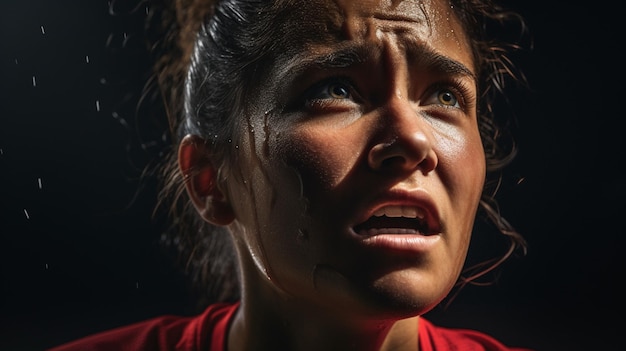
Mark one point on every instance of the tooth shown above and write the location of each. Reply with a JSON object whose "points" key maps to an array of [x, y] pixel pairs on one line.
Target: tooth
{"points": [[380, 212], [400, 211], [389, 211], [413, 212], [409, 212], [393, 211]]}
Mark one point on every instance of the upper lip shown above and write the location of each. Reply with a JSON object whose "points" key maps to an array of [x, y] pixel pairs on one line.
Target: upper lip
{"points": [[412, 204]]}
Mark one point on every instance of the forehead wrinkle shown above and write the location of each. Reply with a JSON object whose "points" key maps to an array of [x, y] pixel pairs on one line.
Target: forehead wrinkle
{"points": [[344, 56], [418, 52]]}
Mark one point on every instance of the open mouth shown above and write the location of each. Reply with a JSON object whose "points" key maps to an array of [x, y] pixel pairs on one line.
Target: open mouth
{"points": [[396, 220]]}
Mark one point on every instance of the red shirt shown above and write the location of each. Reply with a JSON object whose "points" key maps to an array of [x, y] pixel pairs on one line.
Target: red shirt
{"points": [[207, 332]]}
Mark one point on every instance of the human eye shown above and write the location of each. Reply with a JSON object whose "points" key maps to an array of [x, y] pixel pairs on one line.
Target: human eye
{"points": [[333, 92], [445, 96]]}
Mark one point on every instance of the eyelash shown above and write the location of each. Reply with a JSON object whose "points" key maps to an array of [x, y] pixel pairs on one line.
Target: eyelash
{"points": [[324, 91], [456, 91], [321, 93]]}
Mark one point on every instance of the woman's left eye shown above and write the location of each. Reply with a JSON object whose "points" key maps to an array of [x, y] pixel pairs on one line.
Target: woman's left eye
{"points": [[445, 97]]}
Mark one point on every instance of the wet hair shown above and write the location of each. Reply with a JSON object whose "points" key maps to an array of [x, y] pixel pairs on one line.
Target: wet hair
{"points": [[205, 55]]}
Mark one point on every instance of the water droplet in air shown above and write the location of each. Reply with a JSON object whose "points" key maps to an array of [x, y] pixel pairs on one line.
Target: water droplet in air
{"points": [[26, 214], [39, 182], [98, 105], [303, 234], [43, 30], [87, 58], [34, 81]]}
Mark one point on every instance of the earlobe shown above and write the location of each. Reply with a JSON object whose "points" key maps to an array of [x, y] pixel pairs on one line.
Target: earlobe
{"points": [[200, 177]]}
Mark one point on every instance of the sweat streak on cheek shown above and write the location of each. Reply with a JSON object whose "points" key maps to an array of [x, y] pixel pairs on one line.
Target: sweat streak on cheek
{"points": [[269, 194], [251, 190]]}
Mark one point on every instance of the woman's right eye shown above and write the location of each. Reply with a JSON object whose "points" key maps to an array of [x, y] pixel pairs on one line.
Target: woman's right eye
{"points": [[330, 95], [330, 89]]}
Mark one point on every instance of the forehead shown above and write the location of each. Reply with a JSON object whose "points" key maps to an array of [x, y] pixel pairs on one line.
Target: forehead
{"points": [[353, 15], [307, 25]]}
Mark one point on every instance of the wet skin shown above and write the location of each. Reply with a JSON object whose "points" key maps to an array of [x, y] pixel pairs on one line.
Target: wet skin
{"points": [[376, 117]]}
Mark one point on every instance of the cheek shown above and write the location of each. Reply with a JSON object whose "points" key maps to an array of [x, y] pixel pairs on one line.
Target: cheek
{"points": [[462, 170], [323, 158], [462, 162], [280, 172], [472, 161]]}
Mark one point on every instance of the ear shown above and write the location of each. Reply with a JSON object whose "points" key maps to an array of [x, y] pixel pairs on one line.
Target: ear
{"points": [[200, 177]]}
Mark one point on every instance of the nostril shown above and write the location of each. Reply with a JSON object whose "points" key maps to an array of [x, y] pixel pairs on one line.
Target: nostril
{"points": [[403, 155], [393, 162]]}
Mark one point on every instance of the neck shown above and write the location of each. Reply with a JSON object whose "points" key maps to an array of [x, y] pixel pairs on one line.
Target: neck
{"points": [[267, 320]]}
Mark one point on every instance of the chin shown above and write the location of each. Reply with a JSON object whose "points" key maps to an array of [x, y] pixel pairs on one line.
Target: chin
{"points": [[395, 295]]}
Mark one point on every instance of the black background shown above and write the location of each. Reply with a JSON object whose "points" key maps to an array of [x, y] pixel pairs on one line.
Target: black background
{"points": [[78, 248]]}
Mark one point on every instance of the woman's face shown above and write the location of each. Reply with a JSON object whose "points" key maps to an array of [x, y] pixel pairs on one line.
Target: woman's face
{"points": [[359, 168]]}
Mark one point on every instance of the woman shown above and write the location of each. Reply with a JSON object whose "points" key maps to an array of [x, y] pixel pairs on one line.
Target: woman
{"points": [[344, 147]]}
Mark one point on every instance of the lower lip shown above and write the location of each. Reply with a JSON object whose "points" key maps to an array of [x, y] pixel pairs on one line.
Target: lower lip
{"points": [[401, 242]]}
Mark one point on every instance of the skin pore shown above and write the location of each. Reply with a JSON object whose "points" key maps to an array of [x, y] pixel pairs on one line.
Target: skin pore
{"points": [[377, 115]]}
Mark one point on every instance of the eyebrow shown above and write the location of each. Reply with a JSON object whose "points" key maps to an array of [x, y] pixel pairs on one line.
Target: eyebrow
{"points": [[355, 54], [344, 57], [442, 64]]}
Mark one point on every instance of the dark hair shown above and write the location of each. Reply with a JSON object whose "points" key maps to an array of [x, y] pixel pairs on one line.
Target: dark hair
{"points": [[205, 53]]}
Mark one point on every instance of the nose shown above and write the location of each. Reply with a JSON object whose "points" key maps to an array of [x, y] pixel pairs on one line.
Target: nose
{"points": [[405, 143]]}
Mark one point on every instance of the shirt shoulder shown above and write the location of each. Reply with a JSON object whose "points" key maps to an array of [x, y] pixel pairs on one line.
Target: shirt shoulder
{"points": [[205, 331], [436, 338]]}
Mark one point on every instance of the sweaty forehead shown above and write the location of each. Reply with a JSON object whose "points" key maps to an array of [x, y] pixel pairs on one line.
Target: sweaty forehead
{"points": [[307, 26], [408, 10], [313, 20], [305, 23]]}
